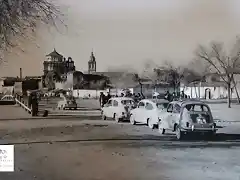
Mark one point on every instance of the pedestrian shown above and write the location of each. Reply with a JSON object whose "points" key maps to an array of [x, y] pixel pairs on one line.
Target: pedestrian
{"points": [[101, 99], [34, 104], [108, 96]]}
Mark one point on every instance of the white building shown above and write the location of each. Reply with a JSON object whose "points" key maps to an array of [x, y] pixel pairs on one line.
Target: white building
{"points": [[203, 90], [211, 89]]}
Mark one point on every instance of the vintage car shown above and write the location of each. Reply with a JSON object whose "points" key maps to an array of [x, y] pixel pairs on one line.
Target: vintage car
{"points": [[67, 103], [118, 108], [149, 112], [185, 117]]}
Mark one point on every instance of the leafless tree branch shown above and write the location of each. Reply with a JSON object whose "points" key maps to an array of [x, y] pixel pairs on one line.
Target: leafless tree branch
{"points": [[225, 64], [19, 17]]}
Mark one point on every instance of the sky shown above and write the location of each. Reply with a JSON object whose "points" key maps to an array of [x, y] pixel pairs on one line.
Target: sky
{"points": [[129, 32]]}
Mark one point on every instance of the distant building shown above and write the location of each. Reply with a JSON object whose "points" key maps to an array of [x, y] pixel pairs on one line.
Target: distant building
{"points": [[55, 62], [92, 65], [61, 74], [55, 68], [209, 87]]}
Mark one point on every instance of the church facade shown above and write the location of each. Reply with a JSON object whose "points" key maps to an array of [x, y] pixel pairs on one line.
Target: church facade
{"points": [[55, 62], [61, 74]]}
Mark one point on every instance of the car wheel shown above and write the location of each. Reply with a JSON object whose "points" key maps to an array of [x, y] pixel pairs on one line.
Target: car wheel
{"points": [[179, 133], [104, 117], [150, 125], [116, 118], [132, 120], [161, 130]]}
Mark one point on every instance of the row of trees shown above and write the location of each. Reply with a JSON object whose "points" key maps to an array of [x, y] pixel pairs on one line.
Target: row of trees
{"points": [[214, 58]]}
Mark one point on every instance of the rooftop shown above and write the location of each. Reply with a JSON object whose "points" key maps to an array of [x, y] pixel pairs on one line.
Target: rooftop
{"points": [[54, 54]]}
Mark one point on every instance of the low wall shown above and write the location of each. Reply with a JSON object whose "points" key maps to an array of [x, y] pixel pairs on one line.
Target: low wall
{"points": [[85, 93]]}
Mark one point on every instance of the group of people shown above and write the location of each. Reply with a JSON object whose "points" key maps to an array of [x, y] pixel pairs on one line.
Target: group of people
{"points": [[137, 97], [103, 99], [175, 96]]}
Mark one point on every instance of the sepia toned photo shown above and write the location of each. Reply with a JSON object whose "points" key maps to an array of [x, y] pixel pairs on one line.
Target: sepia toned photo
{"points": [[119, 89]]}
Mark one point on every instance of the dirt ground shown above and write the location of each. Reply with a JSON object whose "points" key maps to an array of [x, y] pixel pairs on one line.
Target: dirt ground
{"points": [[102, 150]]}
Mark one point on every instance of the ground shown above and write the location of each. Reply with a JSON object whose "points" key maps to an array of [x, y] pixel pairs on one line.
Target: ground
{"points": [[66, 149]]}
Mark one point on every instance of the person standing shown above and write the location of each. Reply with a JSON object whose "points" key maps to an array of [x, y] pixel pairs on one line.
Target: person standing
{"points": [[108, 96], [34, 104], [101, 99]]}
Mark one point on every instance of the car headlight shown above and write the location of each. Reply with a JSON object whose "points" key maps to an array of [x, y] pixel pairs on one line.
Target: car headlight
{"points": [[193, 127], [214, 126]]}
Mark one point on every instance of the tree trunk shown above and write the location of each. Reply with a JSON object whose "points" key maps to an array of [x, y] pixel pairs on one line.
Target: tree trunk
{"points": [[141, 89], [236, 90], [229, 94], [174, 87]]}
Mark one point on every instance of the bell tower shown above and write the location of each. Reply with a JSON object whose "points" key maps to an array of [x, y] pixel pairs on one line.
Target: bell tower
{"points": [[92, 64]]}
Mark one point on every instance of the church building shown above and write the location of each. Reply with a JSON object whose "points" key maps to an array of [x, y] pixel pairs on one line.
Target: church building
{"points": [[92, 65], [55, 62], [61, 73]]}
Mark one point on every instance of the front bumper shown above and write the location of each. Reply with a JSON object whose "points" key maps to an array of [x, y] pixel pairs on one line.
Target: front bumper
{"points": [[199, 130]]}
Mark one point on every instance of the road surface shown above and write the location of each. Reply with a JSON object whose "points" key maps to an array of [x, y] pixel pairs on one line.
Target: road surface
{"points": [[13, 112], [102, 150]]}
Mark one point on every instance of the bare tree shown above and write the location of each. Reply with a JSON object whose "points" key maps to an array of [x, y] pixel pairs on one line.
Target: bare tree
{"points": [[175, 74], [149, 72], [19, 17], [223, 63]]}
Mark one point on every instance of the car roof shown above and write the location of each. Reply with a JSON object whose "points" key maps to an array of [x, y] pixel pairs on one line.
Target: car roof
{"points": [[155, 100], [121, 98], [187, 102]]}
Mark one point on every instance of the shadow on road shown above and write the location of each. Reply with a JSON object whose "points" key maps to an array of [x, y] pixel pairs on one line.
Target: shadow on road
{"points": [[82, 117], [141, 141], [226, 137]]}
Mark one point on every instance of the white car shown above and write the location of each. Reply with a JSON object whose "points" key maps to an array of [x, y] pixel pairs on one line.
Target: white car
{"points": [[118, 108], [67, 103], [185, 117], [148, 112]]}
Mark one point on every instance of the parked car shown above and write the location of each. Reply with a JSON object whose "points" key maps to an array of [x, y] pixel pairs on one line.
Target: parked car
{"points": [[185, 117], [67, 103], [118, 108], [148, 112]]}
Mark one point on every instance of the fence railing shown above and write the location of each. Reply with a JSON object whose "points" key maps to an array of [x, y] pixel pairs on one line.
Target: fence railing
{"points": [[21, 102]]}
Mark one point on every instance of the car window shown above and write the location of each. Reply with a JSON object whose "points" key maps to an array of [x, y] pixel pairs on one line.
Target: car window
{"points": [[162, 105], [115, 103], [170, 108], [127, 102], [199, 108], [141, 105], [149, 106], [176, 108]]}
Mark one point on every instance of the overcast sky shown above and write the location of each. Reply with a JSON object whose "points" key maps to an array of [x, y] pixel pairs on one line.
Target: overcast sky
{"points": [[129, 32]]}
